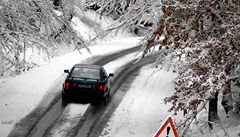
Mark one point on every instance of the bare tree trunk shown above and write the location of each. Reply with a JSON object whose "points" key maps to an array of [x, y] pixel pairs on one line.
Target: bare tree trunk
{"points": [[213, 110]]}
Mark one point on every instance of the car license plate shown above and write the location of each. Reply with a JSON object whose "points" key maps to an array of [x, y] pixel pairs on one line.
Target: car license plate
{"points": [[84, 86]]}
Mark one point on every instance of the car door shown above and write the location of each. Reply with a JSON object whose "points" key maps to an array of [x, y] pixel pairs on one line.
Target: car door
{"points": [[105, 78]]}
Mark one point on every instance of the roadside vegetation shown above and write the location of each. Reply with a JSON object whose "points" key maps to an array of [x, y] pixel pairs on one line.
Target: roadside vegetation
{"points": [[198, 39], [33, 25]]}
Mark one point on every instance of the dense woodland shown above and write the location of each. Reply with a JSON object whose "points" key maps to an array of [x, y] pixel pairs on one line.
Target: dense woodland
{"points": [[199, 39]]}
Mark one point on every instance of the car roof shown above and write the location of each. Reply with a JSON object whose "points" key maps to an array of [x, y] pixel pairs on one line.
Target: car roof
{"points": [[87, 66]]}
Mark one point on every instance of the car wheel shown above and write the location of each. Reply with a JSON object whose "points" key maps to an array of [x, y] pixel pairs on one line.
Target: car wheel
{"points": [[64, 100], [106, 98]]}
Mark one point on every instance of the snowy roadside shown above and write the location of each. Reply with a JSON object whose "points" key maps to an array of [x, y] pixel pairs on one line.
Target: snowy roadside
{"points": [[21, 94], [226, 127], [142, 110]]}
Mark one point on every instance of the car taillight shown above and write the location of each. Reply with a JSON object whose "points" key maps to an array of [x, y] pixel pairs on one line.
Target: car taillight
{"points": [[68, 84], [100, 87]]}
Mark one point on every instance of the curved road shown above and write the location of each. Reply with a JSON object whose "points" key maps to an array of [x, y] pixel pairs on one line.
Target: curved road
{"points": [[42, 121]]}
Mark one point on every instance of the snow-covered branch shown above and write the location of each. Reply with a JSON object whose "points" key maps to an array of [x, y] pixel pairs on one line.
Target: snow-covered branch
{"points": [[199, 38], [33, 24]]}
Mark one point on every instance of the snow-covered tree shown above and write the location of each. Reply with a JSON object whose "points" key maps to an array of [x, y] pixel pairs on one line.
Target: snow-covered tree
{"points": [[32, 24], [203, 35], [129, 14], [199, 38]]}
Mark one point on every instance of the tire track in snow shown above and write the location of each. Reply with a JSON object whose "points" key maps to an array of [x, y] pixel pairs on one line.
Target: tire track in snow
{"points": [[98, 116], [60, 128], [67, 126], [68, 120], [51, 106]]}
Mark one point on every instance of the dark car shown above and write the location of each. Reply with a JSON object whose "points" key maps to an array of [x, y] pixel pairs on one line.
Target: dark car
{"points": [[89, 82]]}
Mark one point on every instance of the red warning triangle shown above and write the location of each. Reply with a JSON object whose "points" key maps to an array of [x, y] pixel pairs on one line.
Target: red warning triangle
{"points": [[164, 127]]}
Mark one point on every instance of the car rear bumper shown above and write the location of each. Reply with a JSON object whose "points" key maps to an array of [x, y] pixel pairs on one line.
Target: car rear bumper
{"points": [[75, 95]]}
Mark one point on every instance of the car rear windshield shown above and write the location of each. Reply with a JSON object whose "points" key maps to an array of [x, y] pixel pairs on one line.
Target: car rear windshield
{"points": [[84, 72]]}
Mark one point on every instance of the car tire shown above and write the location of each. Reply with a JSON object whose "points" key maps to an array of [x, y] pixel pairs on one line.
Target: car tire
{"points": [[64, 100], [106, 99]]}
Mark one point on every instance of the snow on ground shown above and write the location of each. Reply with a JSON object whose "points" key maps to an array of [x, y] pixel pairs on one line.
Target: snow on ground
{"points": [[90, 23], [70, 118], [119, 63], [84, 30], [74, 112], [21, 94], [228, 127], [142, 110]]}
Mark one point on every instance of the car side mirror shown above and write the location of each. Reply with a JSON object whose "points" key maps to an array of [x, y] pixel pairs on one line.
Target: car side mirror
{"points": [[111, 75], [66, 71]]}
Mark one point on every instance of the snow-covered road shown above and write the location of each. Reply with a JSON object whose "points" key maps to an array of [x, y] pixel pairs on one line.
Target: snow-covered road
{"points": [[21, 94], [74, 113]]}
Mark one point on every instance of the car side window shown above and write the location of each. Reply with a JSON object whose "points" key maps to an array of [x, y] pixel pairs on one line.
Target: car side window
{"points": [[104, 74], [70, 73]]}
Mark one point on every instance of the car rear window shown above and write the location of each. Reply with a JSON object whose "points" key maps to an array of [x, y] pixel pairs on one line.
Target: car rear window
{"points": [[84, 72]]}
